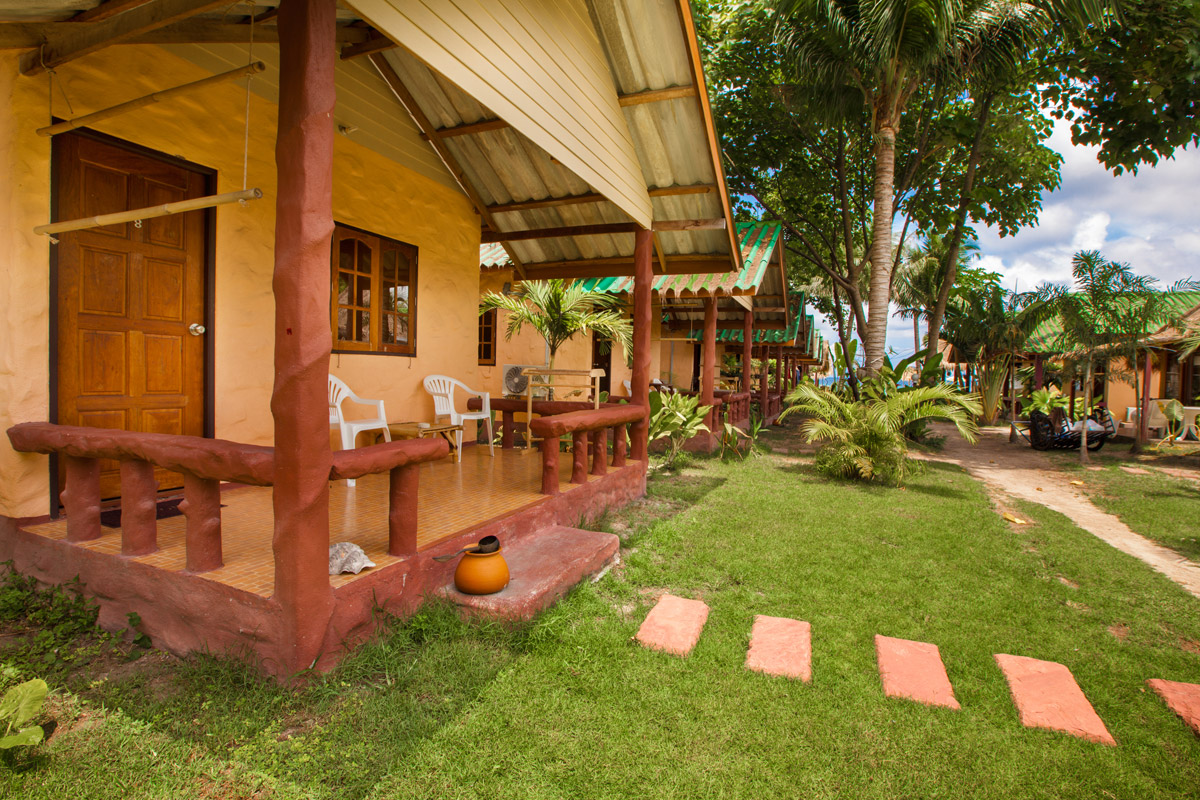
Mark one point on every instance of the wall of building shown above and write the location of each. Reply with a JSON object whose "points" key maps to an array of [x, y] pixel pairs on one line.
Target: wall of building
{"points": [[676, 360], [370, 191]]}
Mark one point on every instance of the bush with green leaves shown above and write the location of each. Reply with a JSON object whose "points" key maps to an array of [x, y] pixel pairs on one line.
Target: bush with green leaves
{"points": [[1043, 400], [864, 439], [19, 705], [676, 418]]}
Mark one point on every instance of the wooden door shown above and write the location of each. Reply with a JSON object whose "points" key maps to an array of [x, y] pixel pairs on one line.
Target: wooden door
{"points": [[127, 295]]}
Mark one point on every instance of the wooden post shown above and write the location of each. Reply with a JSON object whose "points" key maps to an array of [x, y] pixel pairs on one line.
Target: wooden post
{"points": [[619, 445], [507, 425], [747, 350], [763, 389], [139, 508], [81, 498], [708, 361], [299, 400], [550, 465], [1039, 372], [643, 278], [579, 459], [403, 483], [202, 507], [1144, 413], [600, 452]]}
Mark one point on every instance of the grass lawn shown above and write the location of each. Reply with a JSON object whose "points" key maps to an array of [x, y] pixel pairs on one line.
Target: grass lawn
{"points": [[570, 707], [1159, 506]]}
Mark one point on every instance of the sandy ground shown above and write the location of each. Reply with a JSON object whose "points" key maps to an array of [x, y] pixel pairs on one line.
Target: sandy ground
{"points": [[1016, 470]]}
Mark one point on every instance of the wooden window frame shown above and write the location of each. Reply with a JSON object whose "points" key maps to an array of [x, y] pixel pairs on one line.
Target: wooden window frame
{"points": [[491, 342], [378, 244]]}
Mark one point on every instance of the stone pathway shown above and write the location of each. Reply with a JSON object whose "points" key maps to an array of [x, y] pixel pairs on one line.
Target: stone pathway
{"points": [[1016, 470], [1044, 692]]}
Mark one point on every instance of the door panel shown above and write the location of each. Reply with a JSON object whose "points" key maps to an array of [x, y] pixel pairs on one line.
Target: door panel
{"points": [[127, 294]]}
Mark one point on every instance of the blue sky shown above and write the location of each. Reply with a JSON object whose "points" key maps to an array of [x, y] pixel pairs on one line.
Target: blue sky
{"points": [[1150, 221]]}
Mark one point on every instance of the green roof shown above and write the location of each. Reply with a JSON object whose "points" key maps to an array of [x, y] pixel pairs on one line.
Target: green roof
{"points": [[761, 336], [1047, 337], [758, 243]]}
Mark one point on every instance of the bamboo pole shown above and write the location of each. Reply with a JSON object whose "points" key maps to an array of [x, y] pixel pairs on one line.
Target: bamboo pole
{"points": [[150, 212], [113, 111]]}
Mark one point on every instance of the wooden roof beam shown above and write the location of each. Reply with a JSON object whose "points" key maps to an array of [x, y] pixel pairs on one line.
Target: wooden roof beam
{"points": [[76, 41], [107, 9], [425, 125], [623, 267], [376, 44], [608, 228], [20, 35], [656, 95]]}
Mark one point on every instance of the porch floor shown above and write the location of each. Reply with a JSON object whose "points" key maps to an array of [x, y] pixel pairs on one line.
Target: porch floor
{"points": [[453, 498]]}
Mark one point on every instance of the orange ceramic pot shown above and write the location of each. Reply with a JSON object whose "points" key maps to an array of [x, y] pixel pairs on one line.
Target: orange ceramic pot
{"points": [[481, 573]]}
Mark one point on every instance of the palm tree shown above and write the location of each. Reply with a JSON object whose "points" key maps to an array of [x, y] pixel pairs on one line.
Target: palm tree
{"points": [[880, 52], [558, 310], [1091, 315]]}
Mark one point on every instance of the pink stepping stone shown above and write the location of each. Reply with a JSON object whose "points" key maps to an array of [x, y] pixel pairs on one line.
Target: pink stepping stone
{"points": [[781, 646], [673, 625], [1047, 696], [914, 671], [1182, 698]]}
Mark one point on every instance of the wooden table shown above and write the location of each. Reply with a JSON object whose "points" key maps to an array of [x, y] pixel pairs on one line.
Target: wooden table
{"points": [[413, 430]]}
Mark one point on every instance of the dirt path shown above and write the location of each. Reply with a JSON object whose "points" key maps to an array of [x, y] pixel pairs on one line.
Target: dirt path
{"points": [[1017, 471]]}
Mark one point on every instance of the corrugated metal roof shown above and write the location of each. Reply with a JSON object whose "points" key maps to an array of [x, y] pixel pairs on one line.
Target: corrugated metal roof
{"points": [[759, 241], [1048, 336], [761, 336], [493, 256]]}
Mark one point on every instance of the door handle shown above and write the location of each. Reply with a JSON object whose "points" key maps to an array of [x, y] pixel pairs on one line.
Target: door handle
{"points": [[196, 329]]}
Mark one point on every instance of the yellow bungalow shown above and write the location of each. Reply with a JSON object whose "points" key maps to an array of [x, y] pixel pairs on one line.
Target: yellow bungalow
{"points": [[213, 207]]}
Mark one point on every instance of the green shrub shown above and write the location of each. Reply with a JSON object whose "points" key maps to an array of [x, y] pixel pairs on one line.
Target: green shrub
{"points": [[676, 418]]}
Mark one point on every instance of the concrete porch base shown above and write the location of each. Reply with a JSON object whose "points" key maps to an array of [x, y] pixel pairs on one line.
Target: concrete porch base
{"points": [[543, 567]]}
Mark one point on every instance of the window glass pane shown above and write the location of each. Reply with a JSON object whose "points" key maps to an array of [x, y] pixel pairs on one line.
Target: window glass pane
{"points": [[343, 331], [344, 281], [400, 299], [362, 296], [363, 328], [401, 330], [387, 265], [346, 254], [364, 258]]}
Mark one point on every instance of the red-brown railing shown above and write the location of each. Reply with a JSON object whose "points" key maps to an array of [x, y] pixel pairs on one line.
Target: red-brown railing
{"points": [[204, 464], [509, 408], [593, 424], [736, 406]]}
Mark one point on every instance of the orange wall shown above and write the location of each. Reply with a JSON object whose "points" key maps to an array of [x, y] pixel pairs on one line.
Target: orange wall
{"points": [[370, 191]]}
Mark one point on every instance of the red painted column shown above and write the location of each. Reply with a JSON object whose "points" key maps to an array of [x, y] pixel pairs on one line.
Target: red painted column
{"points": [[747, 349], [81, 498], [579, 456], [139, 508], [550, 465], [202, 537], [403, 485], [708, 359], [762, 386], [299, 404], [643, 279], [1039, 373], [619, 445], [600, 452], [1144, 413]]}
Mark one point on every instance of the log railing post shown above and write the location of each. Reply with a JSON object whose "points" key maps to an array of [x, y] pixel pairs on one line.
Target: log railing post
{"points": [[139, 508], [402, 510], [549, 465], [507, 424], [81, 498], [619, 444], [579, 446], [640, 377], [600, 451], [202, 507]]}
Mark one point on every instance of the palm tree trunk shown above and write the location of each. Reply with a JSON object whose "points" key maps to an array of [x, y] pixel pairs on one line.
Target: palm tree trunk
{"points": [[881, 249], [1012, 416], [964, 203], [916, 335]]}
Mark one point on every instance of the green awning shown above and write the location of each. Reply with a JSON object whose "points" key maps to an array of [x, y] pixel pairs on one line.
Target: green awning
{"points": [[729, 336]]}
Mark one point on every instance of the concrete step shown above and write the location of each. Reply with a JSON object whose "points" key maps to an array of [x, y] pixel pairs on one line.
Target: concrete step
{"points": [[1047, 696], [913, 671], [1182, 698], [673, 625], [543, 566], [781, 646]]}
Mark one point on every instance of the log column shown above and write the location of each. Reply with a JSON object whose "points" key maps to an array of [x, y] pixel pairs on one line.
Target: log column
{"points": [[1038, 371], [299, 404], [643, 278], [762, 386], [747, 351], [1144, 412], [708, 360]]}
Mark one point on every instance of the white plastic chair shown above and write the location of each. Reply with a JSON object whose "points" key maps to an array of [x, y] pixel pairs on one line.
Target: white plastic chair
{"points": [[339, 393], [441, 387]]}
